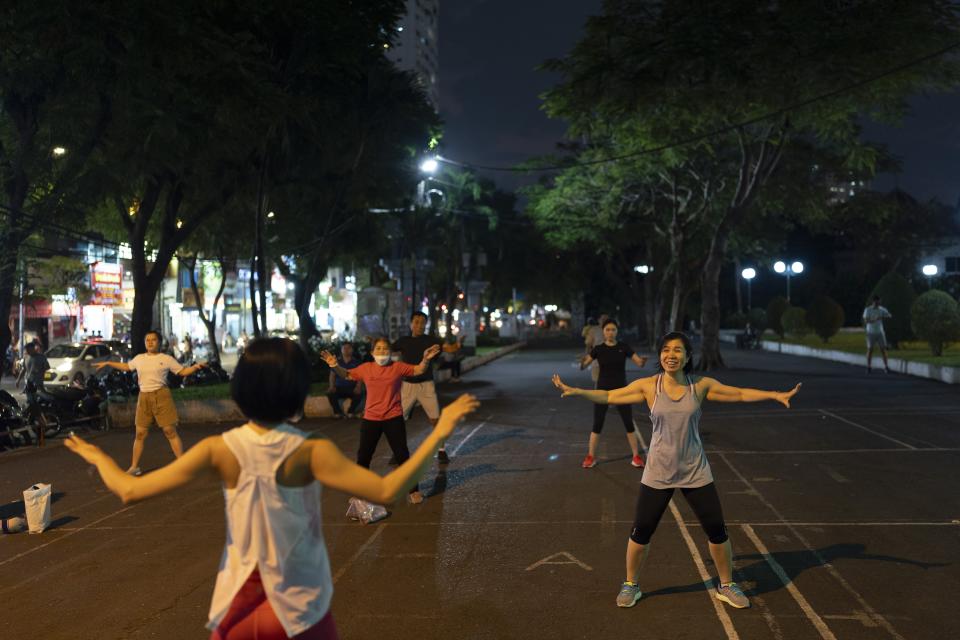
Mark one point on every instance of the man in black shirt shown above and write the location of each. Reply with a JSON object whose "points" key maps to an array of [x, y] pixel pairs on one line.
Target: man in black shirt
{"points": [[419, 389]]}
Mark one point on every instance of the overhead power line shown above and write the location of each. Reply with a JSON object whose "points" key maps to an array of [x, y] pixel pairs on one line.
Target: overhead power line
{"points": [[728, 129]]}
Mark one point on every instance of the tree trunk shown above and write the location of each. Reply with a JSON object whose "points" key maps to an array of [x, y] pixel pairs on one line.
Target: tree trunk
{"points": [[736, 285], [8, 283], [210, 322], [252, 289], [304, 289], [710, 356]]}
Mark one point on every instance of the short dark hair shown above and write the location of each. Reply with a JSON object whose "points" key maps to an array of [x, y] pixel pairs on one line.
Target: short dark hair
{"points": [[271, 380], [876, 298], [154, 332], [610, 321], [417, 313], [377, 341], [687, 348]]}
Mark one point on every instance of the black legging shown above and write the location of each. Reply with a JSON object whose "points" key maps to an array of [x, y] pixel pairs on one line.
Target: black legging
{"points": [[396, 431], [703, 500], [600, 413]]}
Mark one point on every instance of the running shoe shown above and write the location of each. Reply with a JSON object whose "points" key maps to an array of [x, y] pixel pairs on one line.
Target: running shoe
{"points": [[442, 457], [733, 595], [415, 498], [637, 462], [589, 462], [629, 594]]}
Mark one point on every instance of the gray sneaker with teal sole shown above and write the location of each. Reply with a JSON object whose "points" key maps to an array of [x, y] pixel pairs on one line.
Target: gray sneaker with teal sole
{"points": [[733, 595], [629, 594]]}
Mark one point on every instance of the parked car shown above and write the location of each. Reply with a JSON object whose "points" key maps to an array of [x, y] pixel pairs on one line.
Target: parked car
{"points": [[73, 363]]}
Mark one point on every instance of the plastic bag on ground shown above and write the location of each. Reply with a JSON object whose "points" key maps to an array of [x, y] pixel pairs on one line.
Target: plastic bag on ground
{"points": [[37, 501], [365, 512]]}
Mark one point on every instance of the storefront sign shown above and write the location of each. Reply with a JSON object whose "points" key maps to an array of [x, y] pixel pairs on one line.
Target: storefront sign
{"points": [[107, 280]]}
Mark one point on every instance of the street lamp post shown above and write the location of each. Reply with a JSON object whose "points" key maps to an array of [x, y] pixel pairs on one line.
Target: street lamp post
{"points": [[795, 267], [749, 274], [930, 270]]}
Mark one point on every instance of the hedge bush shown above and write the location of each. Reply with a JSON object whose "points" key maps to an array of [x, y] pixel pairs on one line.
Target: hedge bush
{"points": [[825, 316], [897, 295], [758, 320], [794, 321], [775, 310], [936, 320], [735, 321]]}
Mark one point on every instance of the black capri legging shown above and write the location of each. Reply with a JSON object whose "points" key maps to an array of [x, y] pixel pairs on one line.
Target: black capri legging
{"points": [[703, 500], [396, 431], [600, 414]]}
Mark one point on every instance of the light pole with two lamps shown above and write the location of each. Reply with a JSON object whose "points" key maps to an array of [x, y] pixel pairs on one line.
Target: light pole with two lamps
{"points": [[794, 268]]}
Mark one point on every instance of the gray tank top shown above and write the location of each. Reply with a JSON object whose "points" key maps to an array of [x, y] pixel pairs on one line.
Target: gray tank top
{"points": [[676, 458]]}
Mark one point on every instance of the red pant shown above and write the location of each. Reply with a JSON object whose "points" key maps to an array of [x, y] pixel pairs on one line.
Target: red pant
{"points": [[251, 618]]}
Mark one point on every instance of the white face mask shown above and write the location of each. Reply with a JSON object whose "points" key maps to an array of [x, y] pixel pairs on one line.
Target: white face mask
{"points": [[382, 360]]}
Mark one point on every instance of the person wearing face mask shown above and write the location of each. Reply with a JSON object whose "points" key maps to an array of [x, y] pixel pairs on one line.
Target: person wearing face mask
{"points": [[676, 459], [383, 413]]}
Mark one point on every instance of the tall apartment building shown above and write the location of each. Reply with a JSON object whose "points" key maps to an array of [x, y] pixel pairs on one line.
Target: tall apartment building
{"points": [[417, 48]]}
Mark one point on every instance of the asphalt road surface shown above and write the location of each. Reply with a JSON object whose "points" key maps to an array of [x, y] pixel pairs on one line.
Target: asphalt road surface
{"points": [[844, 513]]}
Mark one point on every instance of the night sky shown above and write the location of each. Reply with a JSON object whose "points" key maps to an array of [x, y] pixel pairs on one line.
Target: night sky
{"points": [[489, 96]]}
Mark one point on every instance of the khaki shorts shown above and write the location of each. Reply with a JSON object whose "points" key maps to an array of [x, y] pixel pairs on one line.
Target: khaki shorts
{"points": [[156, 405], [423, 392], [876, 340]]}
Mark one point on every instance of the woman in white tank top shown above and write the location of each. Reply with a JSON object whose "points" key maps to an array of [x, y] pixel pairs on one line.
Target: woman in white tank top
{"points": [[274, 579]]}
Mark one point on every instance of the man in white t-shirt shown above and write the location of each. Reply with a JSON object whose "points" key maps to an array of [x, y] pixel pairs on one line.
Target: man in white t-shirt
{"points": [[155, 402], [873, 329]]}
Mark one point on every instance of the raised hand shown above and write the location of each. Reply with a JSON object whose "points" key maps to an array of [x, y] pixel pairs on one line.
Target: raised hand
{"points": [[329, 358], [100, 365], [455, 412], [566, 390], [431, 352], [89, 452], [643, 361], [784, 396]]}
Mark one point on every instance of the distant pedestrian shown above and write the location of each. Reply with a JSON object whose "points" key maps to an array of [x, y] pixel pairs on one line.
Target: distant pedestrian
{"points": [[35, 366], [594, 338], [419, 389], [450, 358], [383, 414], [873, 317], [342, 388], [155, 402], [676, 459], [274, 579], [611, 357], [187, 349]]}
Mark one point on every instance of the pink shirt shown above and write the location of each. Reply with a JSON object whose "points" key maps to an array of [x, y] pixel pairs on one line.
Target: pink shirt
{"points": [[383, 388]]}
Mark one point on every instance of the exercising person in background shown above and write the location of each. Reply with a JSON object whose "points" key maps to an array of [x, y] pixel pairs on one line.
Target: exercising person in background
{"points": [[873, 330]]}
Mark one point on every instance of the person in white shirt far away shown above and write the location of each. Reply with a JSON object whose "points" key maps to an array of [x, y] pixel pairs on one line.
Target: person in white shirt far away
{"points": [[873, 328]]}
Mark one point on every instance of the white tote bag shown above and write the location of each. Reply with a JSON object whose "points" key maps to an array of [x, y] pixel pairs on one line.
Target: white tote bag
{"points": [[36, 499]]}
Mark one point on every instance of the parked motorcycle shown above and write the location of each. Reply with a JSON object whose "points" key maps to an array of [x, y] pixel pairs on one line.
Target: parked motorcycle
{"points": [[20, 427], [213, 373], [71, 406]]}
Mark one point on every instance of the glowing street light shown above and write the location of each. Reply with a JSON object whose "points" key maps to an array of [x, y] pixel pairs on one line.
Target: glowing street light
{"points": [[59, 151], [794, 268], [429, 165], [930, 270], [749, 274]]}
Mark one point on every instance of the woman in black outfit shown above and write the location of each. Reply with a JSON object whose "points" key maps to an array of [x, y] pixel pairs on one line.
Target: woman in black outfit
{"points": [[612, 356]]}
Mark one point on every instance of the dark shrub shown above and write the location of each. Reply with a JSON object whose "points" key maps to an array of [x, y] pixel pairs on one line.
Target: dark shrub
{"points": [[794, 321], [825, 316], [897, 295], [936, 320], [775, 310]]}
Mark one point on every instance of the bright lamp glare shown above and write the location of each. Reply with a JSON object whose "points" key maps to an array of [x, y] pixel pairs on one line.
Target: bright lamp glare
{"points": [[429, 165], [797, 267], [930, 270], [779, 266], [749, 273]]}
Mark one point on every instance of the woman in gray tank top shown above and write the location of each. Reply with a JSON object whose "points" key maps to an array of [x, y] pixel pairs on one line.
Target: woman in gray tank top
{"points": [[676, 459]]}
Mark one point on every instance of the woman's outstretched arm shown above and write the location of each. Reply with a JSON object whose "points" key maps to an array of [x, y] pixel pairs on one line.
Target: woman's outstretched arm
{"points": [[718, 392], [630, 394], [131, 489]]}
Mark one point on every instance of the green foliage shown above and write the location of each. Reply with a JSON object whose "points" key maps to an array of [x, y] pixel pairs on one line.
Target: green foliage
{"points": [[935, 317], [897, 295], [736, 321], [758, 320], [775, 309], [825, 316], [794, 321]]}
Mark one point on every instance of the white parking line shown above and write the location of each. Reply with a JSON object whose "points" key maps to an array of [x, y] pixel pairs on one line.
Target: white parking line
{"points": [[67, 535], [358, 552], [792, 589], [867, 429], [469, 435], [823, 562]]}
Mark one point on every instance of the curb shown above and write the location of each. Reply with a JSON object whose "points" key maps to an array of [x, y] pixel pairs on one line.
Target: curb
{"points": [[196, 411], [941, 373]]}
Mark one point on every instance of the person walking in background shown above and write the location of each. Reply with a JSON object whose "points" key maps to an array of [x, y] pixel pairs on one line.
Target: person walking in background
{"points": [[450, 358], [274, 579], [611, 355], [419, 389], [873, 317], [35, 366], [155, 402], [594, 338], [341, 388]]}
